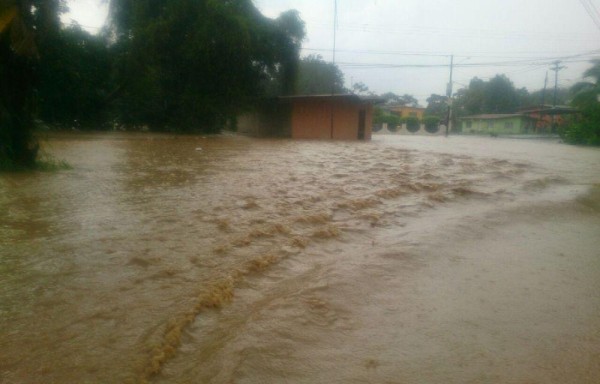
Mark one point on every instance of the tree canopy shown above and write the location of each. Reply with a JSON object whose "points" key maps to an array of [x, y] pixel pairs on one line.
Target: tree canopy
{"points": [[177, 65], [585, 128], [437, 105], [318, 77], [497, 95], [190, 65], [18, 52]]}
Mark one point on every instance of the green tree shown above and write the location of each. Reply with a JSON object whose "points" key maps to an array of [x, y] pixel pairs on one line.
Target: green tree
{"points": [[585, 129], [391, 98], [470, 100], [500, 95], [587, 92], [409, 100], [193, 64], [18, 59], [74, 79], [360, 88], [318, 77], [437, 105], [546, 97]]}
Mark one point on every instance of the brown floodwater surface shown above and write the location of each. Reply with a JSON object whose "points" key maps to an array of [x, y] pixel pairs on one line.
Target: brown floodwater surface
{"points": [[224, 259]]}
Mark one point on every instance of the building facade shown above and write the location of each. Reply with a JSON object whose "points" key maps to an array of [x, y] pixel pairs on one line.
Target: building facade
{"points": [[498, 124], [337, 117], [404, 111]]}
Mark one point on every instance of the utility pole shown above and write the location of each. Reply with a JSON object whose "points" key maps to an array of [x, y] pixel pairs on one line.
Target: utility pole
{"points": [[544, 91], [543, 105], [449, 95], [556, 69]]}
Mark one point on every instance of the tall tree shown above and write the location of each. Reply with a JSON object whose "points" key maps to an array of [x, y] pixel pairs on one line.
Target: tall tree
{"points": [[585, 129], [19, 19], [437, 105], [192, 64], [587, 92], [360, 88], [74, 79], [409, 100], [318, 77], [500, 95], [391, 98]]}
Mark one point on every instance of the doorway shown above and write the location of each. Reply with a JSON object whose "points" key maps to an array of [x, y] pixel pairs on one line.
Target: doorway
{"points": [[362, 120]]}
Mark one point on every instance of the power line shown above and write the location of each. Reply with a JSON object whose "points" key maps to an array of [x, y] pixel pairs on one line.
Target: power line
{"points": [[445, 55], [465, 65], [455, 32], [592, 11], [377, 52]]}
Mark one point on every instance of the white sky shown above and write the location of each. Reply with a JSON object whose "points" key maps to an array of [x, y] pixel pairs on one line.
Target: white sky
{"points": [[427, 32]]}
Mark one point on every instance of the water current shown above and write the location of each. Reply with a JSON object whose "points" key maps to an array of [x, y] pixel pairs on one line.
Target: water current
{"points": [[224, 259]]}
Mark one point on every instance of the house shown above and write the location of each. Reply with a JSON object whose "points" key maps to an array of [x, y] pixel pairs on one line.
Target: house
{"points": [[404, 111], [338, 117], [498, 124], [548, 116]]}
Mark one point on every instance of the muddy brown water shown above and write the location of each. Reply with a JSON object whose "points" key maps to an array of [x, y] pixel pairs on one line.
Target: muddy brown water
{"points": [[188, 259]]}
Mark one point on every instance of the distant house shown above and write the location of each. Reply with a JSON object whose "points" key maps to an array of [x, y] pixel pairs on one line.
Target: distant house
{"points": [[548, 115], [338, 117], [498, 124], [404, 111]]}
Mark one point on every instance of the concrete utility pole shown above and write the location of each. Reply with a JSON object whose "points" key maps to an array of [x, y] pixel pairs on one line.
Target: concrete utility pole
{"points": [[557, 67], [449, 95]]}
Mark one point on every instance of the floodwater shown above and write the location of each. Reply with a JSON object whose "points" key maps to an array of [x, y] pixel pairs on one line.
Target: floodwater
{"points": [[188, 259]]}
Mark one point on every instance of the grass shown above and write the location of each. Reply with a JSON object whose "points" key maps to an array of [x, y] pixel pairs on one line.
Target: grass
{"points": [[45, 163], [50, 164]]}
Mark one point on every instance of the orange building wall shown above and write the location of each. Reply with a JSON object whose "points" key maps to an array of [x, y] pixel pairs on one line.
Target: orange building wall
{"points": [[311, 119], [408, 111]]}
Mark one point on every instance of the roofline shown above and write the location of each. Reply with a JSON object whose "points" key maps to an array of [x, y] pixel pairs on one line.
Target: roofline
{"points": [[346, 96], [496, 116], [558, 110]]}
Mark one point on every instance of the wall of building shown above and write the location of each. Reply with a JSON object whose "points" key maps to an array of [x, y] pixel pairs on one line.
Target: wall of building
{"points": [[409, 112], [270, 120], [403, 130], [505, 126], [311, 119]]}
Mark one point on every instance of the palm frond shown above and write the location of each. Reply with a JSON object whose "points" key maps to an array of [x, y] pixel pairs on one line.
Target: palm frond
{"points": [[593, 72]]}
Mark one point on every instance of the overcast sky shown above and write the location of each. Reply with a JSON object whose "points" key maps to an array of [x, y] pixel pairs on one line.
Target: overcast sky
{"points": [[405, 46]]}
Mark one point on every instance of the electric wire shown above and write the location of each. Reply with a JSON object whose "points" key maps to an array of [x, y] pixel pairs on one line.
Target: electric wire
{"points": [[592, 11]]}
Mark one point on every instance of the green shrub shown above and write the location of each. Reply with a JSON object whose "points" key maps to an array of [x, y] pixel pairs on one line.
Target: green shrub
{"points": [[584, 129], [432, 124], [412, 124]]}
